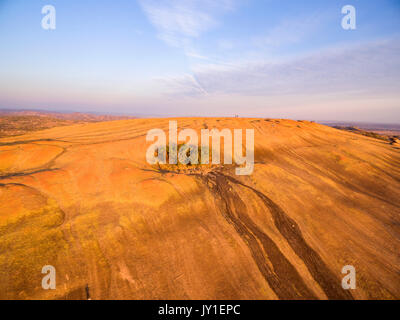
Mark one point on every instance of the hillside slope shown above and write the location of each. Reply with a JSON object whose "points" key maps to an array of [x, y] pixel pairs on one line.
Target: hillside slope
{"points": [[83, 199]]}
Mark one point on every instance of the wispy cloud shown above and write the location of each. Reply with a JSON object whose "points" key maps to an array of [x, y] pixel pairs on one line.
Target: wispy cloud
{"points": [[194, 54], [179, 21], [187, 85], [368, 68]]}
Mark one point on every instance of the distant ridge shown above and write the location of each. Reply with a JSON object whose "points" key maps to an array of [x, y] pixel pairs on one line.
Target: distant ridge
{"points": [[65, 115], [17, 122]]}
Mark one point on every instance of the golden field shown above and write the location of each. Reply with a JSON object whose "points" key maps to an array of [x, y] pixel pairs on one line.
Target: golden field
{"points": [[83, 199]]}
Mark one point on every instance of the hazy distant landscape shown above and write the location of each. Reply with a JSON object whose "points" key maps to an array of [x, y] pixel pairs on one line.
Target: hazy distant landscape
{"points": [[17, 122], [380, 128]]}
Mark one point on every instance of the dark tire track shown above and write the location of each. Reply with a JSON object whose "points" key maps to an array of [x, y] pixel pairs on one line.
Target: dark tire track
{"points": [[283, 278], [283, 272], [28, 173], [292, 233], [43, 168], [14, 143]]}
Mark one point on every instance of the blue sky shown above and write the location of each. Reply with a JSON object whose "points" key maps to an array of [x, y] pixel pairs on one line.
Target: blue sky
{"points": [[287, 58]]}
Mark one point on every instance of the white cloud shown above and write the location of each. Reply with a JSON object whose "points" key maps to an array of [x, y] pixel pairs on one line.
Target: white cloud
{"points": [[186, 85], [194, 54], [363, 69], [179, 21]]}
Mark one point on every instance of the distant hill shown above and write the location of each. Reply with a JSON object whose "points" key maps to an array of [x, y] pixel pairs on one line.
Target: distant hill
{"points": [[379, 128], [17, 122]]}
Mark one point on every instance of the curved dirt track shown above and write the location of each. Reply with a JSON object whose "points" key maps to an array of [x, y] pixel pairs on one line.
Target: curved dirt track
{"points": [[283, 278], [83, 199]]}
